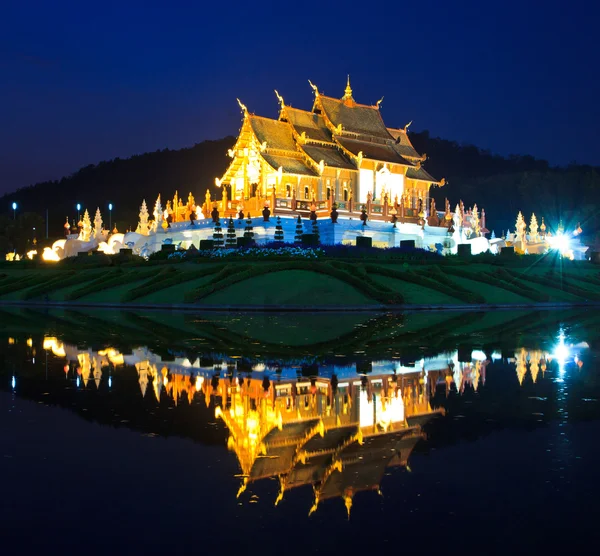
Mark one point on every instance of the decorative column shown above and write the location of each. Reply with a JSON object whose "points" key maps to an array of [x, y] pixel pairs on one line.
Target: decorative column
{"points": [[337, 185]]}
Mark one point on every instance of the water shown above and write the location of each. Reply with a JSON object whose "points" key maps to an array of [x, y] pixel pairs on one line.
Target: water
{"points": [[271, 433]]}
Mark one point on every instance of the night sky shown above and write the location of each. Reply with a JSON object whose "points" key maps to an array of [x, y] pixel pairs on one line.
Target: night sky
{"points": [[83, 82]]}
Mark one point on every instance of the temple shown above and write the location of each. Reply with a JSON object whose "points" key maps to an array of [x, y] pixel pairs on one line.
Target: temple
{"points": [[341, 152], [336, 174]]}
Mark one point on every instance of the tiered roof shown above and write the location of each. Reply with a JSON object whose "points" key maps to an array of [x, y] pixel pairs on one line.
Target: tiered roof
{"points": [[337, 133]]}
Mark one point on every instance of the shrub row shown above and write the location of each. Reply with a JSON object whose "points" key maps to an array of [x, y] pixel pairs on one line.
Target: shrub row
{"points": [[497, 279], [167, 280], [20, 283], [436, 274], [563, 285], [68, 278], [109, 280], [409, 276], [226, 278]]}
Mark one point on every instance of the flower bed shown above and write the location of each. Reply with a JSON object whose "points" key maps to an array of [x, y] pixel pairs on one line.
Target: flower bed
{"points": [[279, 252]]}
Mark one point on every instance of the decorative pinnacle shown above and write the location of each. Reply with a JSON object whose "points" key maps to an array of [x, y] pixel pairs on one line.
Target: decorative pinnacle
{"points": [[348, 90]]}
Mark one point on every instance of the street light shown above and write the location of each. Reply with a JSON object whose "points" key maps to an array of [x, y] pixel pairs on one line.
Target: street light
{"points": [[14, 207], [110, 217], [78, 211]]}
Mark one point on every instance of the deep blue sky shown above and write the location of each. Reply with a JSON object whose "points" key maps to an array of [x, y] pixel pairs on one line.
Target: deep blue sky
{"points": [[82, 82]]}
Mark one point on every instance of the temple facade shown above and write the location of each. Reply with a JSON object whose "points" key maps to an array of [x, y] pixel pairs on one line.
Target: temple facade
{"points": [[340, 152]]}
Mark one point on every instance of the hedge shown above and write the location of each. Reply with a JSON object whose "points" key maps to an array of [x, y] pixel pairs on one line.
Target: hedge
{"points": [[67, 278], [562, 285], [453, 290], [18, 283], [497, 280], [171, 279], [225, 278], [110, 280]]}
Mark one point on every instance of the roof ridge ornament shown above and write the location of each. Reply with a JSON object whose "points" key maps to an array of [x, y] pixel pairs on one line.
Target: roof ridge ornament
{"points": [[378, 103], [407, 126], [314, 87], [280, 99], [348, 90], [242, 106]]}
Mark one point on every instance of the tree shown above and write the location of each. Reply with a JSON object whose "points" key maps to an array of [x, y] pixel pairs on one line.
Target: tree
{"points": [[218, 234], [231, 237], [278, 230], [299, 230]]}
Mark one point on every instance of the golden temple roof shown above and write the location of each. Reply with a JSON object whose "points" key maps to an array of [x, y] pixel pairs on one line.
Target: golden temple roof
{"points": [[277, 135], [383, 152], [331, 156], [309, 123], [289, 165], [355, 118]]}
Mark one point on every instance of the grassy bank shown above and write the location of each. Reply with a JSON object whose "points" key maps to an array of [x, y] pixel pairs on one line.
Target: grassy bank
{"points": [[366, 282]]}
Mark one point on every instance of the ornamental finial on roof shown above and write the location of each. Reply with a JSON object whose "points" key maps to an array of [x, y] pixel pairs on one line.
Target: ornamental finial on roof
{"points": [[280, 99], [243, 107], [314, 87], [348, 90]]}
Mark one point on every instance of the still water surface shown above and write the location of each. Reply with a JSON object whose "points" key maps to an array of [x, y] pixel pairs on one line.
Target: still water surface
{"points": [[295, 434]]}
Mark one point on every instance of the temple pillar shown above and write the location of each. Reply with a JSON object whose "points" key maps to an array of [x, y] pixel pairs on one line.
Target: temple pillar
{"points": [[245, 166], [374, 182], [336, 195]]}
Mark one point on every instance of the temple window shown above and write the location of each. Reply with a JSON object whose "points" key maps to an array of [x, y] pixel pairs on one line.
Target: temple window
{"points": [[306, 192], [288, 190], [328, 193]]}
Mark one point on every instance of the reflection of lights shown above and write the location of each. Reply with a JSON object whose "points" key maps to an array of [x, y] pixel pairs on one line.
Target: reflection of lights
{"points": [[478, 355], [110, 381], [560, 354], [11, 341], [199, 381], [13, 382], [56, 346], [77, 382], [29, 342], [496, 355]]}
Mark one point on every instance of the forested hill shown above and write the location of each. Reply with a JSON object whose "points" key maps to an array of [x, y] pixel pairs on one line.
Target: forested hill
{"points": [[501, 185]]}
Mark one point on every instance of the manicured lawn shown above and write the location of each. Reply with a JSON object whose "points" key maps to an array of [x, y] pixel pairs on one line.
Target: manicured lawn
{"points": [[172, 294], [110, 295], [290, 287], [492, 294], [415, 294]]}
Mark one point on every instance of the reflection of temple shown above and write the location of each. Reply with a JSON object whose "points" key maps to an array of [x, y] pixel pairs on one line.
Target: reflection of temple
{"points": [[334, 427], [337, 436]]}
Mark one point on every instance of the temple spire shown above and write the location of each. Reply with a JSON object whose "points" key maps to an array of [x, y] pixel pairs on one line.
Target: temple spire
{"points": [[348, 91]]}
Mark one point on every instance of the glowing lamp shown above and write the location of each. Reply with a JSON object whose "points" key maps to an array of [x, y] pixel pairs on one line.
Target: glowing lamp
{"points": [[14, 206]]}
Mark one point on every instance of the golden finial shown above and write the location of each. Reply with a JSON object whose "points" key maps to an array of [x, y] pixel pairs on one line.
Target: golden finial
{"points": [[405, 127], [243, 107], [279, 98], [314, 87], [348, 90], [378, 103]]}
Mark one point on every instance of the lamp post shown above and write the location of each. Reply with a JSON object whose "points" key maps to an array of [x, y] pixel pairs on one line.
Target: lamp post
{"points": [[110, 207], [78, 211], [14, 207]]}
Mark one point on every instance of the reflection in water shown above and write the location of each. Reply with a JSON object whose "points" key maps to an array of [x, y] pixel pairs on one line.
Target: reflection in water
{"points": [[334, 427]]}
